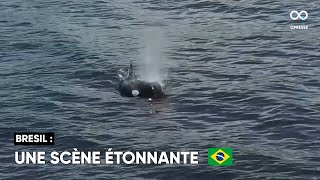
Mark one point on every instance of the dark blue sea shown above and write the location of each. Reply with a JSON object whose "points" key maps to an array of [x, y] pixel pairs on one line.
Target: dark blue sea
{"points": [[237, 76]]}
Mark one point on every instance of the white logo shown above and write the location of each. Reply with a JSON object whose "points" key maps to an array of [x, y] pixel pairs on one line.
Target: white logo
{"points": [[295, 15]]}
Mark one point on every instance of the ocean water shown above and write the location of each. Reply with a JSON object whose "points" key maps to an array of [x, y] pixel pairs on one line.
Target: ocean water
{"points": [[238, 77]]}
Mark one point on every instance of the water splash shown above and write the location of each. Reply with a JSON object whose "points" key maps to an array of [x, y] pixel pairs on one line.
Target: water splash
{"points": [[152, 62]]}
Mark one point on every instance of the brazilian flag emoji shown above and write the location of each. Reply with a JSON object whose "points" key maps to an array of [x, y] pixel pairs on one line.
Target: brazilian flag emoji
{"points": [[220, 156]]}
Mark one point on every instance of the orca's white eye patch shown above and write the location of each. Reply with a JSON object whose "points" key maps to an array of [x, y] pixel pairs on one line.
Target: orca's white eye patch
{"points": [[135, 92]]}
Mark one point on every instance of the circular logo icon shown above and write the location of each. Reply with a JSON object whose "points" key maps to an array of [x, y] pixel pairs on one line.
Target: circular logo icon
{"points": [[220, 156]]}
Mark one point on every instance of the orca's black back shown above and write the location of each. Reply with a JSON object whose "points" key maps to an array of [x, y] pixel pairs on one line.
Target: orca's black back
{"points": [[145, 89]]}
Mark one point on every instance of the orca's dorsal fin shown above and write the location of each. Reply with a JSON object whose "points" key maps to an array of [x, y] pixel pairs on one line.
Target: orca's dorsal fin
{"points": [[131, 74]]}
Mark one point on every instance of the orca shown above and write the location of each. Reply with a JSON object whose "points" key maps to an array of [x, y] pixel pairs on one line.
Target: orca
{"points": [[131, 86]]}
